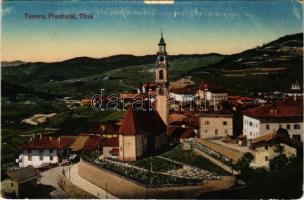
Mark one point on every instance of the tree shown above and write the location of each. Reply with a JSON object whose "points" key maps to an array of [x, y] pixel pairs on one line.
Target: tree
{"points": [[278, 162], [244, 162], [279, 149]]}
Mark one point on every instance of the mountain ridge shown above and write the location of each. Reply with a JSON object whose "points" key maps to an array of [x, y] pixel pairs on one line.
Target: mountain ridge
{"points": [[83, 75], [87, 58]]}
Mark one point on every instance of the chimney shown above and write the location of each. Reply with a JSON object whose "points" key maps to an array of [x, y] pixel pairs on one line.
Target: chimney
{"points": [[40, 136], [50, 138], [59, 139]]}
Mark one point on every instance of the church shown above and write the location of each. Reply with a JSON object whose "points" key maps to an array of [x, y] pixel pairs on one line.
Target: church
{"points": [[143, 132]]}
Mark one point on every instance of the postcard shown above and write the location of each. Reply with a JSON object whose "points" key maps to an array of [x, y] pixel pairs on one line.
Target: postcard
{"points": [[152, 99]]}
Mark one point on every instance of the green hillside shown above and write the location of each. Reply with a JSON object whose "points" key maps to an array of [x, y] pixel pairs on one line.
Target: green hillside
{"points": [[245, 72], [84, 76]]}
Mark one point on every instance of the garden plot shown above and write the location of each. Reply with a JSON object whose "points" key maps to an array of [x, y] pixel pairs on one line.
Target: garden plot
{"points": [[173, 168], [188, 157], [193, 173]]}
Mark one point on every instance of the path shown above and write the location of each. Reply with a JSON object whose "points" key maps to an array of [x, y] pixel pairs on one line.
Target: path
{"points": [[86, 185], [49, 177], [217, 162], [174, 161]]}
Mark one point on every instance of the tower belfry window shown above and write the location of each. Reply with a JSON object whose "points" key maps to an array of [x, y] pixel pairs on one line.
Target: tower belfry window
{"points": [[161, 75], [161, 58]]}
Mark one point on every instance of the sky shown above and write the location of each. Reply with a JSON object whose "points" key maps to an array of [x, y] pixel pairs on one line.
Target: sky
{"points": [[133, 27]]}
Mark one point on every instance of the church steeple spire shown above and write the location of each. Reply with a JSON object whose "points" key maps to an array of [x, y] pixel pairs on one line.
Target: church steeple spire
{"points": [[162, 40], [162, 80]]}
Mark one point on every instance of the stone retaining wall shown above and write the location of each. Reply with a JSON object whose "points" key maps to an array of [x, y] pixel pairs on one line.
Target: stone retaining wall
{"points": [[72, 190], [123, 187]]}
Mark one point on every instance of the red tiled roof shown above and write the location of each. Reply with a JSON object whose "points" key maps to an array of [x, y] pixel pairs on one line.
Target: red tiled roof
{"points": [[204, 85], [47, 142], [186, 90], [93, 142], [275, 137], [114, 151], [193, 121], [111, 142], [150, 84], [211, 87], [174, 117], [138, 122], [278, 109], [152, 92], [264, 138], [233, 97], [129, 95], [224, 111], [187, 120], [245, 99], [179, 132]]}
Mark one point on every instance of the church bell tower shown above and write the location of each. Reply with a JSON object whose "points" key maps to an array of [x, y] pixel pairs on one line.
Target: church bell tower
{"points": [[161, 80]]}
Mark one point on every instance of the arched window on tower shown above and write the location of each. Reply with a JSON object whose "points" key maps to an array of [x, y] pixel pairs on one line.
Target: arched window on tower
{"points": [[161, 91], [161, 75]]}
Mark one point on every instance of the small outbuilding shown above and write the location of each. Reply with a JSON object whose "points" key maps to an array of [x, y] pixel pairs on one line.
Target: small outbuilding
{"points": [[19, 182]]}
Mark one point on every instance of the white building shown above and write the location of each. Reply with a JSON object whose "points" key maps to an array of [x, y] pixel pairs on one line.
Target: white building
{"points": [[185, 95], [43, 151], [215, 98], [269, 118], [296, 90], [211, 94]]}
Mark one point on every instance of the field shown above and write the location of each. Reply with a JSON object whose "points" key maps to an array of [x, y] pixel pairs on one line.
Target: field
{"points": [[66, 122]]}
